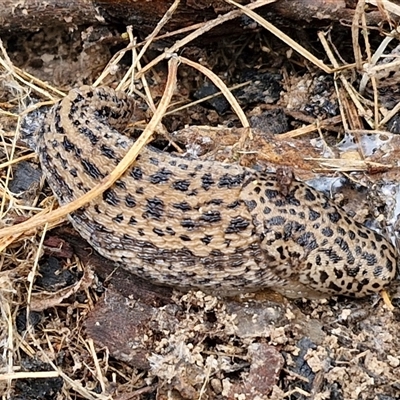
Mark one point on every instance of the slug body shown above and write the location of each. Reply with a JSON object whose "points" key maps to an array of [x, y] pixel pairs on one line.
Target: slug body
{"points": [[200, 224]]}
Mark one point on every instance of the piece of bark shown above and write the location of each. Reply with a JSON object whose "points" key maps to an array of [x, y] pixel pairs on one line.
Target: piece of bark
{"points": [[127, 326], [266, 365], [31, 15]]}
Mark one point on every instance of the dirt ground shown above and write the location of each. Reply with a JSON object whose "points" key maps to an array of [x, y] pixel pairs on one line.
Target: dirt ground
{"points": [[74, 326]]}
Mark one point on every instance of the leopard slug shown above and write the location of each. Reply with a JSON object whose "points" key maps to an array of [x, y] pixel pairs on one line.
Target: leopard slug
{"points": [[200, 224]]}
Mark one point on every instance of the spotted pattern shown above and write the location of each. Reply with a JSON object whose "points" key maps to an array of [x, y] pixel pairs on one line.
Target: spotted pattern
{"points": [[199, 224]]}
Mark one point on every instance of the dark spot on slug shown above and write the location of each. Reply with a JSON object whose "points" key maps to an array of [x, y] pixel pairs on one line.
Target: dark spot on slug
{"points": [[110, 197], [236, 225], [207, 181], [136, 173], [181, 185]]}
